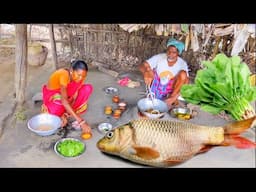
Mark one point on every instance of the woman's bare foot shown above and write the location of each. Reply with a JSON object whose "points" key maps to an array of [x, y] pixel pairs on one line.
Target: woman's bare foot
{"points": [[64, 120], [44, 109]]}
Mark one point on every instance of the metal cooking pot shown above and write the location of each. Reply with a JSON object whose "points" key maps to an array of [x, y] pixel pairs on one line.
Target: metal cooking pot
{"points": [[157, 107]]}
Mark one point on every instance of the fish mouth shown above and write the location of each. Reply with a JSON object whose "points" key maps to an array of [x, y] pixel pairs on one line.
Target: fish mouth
{"points": [[100, 146]]}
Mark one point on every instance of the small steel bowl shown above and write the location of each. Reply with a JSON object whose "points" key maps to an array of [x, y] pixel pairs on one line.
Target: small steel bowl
{"points": [[182, 113], [111, 90], [68, 139], [105, 127]]}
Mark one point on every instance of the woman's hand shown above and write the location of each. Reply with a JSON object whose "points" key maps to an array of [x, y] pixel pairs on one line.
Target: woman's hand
{"points": [[85, 127], [86, 130]]}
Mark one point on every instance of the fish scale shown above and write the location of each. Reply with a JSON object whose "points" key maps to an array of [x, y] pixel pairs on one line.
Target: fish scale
{"points": [[172, 138], [162, 143]]}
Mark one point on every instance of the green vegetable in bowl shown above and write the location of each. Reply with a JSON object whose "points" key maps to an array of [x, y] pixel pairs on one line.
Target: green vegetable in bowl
{"points": [[224, 85], [70, 148]]}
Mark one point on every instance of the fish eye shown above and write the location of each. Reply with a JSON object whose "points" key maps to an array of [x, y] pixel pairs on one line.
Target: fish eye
{"points": [[109, 134]]}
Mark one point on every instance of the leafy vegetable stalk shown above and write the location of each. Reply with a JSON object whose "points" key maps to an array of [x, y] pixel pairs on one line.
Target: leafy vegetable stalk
{"points": [[241, 109], [223, 85]]}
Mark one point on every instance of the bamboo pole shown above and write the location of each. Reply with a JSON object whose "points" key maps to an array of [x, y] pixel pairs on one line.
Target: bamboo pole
{"points": [[61, 37], [30, 33], [21, 63], [53, 46], [216, 47], [224, 43], [251, 43], [70, 41]]}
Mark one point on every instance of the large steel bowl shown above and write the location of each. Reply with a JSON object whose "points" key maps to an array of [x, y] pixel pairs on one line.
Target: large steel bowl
{"points": [[157, 107], [44, 124], [70, 149]]}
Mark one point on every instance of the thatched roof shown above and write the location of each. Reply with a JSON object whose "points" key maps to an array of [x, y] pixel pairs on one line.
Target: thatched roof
{"points": [[238, 33]]}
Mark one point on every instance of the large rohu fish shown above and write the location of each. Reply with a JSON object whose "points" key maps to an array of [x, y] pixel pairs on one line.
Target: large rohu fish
{"points": [[162, 143]]}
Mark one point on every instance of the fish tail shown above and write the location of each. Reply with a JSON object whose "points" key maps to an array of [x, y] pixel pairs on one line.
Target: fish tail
{"points": [[233, 130], [239, 126], [238, 141]]}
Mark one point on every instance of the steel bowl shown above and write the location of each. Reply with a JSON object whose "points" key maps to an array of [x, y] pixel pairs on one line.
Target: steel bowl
{"points": [[44, 124], [111, 90], [181, 113], [157, 107], [105, 127], [68, 139]]}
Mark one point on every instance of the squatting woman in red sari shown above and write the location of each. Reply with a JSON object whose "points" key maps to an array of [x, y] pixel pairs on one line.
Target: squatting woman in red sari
{"points": [[66, 95]]}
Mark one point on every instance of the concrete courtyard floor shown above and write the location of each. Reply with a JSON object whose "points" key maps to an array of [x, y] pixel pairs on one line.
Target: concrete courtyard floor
{"points": [[19, 147]]}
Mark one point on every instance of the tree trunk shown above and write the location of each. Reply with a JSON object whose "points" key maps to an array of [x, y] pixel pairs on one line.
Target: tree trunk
{"points": [[53, 46], [21, 63]]}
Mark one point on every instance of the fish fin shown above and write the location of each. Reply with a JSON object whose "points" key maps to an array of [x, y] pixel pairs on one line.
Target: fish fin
{"points": [[205, 148], [172, 161], [239, 126], [147, 153], [238, 141]]}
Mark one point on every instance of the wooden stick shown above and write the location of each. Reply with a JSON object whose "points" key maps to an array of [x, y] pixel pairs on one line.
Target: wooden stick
{"points": [[21, 63], [216, 47], [53, 46]]}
